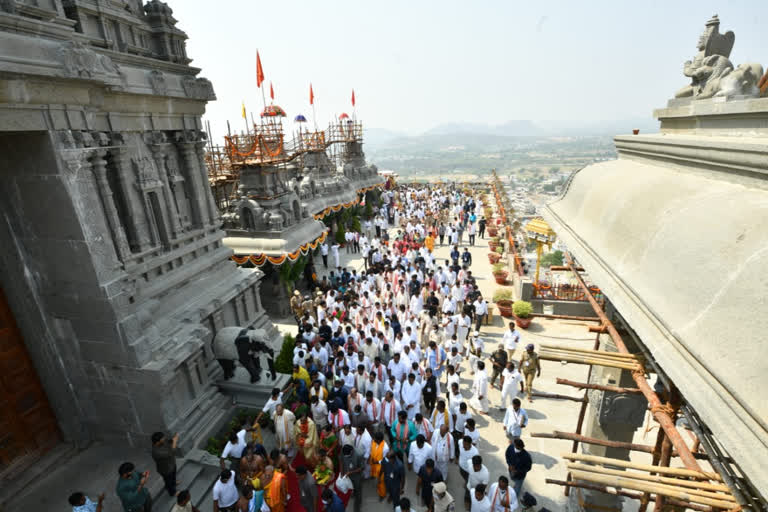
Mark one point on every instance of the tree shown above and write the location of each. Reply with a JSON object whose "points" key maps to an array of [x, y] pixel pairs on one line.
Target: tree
{"points": [[552, 258]]}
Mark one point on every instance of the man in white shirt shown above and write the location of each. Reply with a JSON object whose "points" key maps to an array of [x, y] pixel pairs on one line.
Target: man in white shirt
{"points": [[319, 412], [481, 311], [441, 416], [478, 501], [478, 473], [411, 395], [235, 446], [515, 420], [502, 496], [324, 253], [511, 339], [394, 386], [225, 493], [510, 378], [419, 452], [397, 368]]}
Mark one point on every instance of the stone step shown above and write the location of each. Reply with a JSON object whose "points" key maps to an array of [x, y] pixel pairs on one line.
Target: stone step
{"points": [[205, 419], [186, 474], [202, 489]]}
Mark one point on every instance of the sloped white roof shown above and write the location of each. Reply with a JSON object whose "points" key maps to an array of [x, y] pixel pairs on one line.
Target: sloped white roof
{"points": [[683, 255]]}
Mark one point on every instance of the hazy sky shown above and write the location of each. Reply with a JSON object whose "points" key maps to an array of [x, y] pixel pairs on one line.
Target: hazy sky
{"points": [[415, 64]]}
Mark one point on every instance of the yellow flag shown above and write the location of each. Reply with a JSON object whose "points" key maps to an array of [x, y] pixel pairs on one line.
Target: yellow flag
{"points": [[243, 104]]}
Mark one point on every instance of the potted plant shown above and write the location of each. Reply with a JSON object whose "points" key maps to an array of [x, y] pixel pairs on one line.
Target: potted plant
{"points": [[522, 311], [504, 300], [494, 256], [494, 242], [500, 273]]}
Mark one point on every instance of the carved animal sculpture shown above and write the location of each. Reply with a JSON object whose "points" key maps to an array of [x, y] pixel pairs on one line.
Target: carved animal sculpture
{"points": [[245, 345]]}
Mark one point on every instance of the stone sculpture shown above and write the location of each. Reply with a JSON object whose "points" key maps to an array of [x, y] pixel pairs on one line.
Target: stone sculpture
{"points": [[711, 71], [245, 345]]}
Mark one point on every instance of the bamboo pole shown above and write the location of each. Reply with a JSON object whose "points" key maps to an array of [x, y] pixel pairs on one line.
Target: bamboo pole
{"points": [[600, 361], [634, 495], [701, 475], [567, 317], [591, 440], [633, 357], [577, 360], [694, 484], [658, 489], [600, 387], [539, 394], [664, 419], [592, 355], [595, 354]]}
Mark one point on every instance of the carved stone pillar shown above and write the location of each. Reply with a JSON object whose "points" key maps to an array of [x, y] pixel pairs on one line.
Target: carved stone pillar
{"points": [[203, 169], [137, 225], [189, 165], [158, 153], [99, 167]]}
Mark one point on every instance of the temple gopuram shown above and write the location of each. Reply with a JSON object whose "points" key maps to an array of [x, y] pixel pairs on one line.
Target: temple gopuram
{"points": [[274, 193]]}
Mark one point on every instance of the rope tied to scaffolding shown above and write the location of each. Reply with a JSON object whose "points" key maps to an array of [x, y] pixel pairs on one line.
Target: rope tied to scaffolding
{"points": [[664, 409]]}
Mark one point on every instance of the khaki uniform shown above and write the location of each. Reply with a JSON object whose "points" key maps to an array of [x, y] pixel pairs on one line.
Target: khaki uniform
{"points": [[529, 365], [296, 306]]}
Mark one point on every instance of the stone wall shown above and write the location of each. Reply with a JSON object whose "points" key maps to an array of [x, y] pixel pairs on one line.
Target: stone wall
{"points": [[113, 261]]}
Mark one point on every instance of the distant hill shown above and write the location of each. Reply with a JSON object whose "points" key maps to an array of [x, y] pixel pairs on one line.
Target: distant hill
{"points": [[547, 128]]}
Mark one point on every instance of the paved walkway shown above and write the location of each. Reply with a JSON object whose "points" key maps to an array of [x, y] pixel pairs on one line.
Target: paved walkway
{"points": [[545, 415]]}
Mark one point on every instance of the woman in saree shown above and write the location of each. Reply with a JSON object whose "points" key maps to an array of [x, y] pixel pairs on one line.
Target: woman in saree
{"points": [[305, 433], [330, 443]]}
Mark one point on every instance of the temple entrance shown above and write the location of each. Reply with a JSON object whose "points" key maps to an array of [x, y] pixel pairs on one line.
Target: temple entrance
{"points": [[27, 424]]}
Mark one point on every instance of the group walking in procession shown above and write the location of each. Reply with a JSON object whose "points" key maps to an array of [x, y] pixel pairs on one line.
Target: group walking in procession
{"points": [[391, 373]]}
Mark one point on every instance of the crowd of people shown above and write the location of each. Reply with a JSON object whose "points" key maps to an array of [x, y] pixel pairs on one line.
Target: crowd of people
{"points": [[376, 390]]}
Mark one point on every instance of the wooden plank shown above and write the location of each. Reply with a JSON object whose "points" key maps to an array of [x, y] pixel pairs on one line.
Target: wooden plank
{"points": [[701, 475]]}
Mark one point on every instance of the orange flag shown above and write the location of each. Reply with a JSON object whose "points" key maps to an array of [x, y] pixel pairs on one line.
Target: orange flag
{"points": [[271, 91], [311, 95], [259, 71], [353, 97]]}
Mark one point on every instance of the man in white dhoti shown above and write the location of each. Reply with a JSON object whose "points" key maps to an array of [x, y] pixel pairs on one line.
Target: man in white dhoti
{"points": [[284, 422], [411, 394], [510, 378], [362, 444], [479, 400], [444, 450]]}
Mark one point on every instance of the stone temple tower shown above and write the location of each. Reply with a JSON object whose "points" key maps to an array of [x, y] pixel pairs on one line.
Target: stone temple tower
{"points": [[113, 276]]}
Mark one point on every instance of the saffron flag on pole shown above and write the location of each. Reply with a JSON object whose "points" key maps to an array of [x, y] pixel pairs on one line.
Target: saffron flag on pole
{"points": [[243, 108], [259, 71], [311, 95], [271, 91], [353, 97]]}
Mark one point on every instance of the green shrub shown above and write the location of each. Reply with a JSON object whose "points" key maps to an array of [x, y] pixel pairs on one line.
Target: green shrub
{"points": [[503, 294], [500, 249], [340, 236], [284, 361], [498, 268], [552, 258], [522, 309]]}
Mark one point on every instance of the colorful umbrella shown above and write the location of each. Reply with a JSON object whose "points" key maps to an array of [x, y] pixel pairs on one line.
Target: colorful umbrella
{"points": [[300, 119], [272, 111], [344, 116]]}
